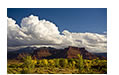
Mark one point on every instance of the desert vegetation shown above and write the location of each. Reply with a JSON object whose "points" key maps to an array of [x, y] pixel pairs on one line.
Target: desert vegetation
{"points": [[28, 65]]}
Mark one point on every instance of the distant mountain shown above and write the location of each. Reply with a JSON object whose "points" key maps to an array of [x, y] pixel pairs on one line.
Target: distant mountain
{"points": [[101, 54], [14, 54], [25, 50], [50, 53]]}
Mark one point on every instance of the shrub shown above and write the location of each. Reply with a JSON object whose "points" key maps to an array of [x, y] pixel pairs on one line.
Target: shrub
{"points": [[39, 63], [25, 71], [57, 62], [77, 63], [81, 65], [73, 64], [45, 62], [13, 66], [51, 62], [29, 65], [63, 62]]}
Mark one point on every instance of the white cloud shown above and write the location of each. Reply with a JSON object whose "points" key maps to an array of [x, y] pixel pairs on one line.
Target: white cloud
{"points": [[105, 32], [41, 32]]}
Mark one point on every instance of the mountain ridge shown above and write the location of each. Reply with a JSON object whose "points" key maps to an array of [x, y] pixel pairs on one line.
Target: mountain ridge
{"points": [[50, 53]]}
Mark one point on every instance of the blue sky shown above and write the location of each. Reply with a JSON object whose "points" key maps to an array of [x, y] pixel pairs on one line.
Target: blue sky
{"points": [[72, 19]]}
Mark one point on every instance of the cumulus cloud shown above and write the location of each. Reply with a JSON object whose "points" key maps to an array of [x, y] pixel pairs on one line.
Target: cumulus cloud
{"points": [[33, 31]]}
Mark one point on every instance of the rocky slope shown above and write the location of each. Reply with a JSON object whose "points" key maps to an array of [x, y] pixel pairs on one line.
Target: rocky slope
{"points": [[50, 53]]}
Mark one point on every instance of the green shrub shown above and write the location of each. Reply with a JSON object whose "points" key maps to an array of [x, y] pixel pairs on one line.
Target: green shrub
{"points": [[13, 66], [45, 62], [53, 66], [73, 64], [51, 62], [28, 64], [57, 62], [81, 64], [25, 71]]}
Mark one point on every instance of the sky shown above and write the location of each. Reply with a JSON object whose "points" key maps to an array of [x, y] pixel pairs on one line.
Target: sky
{"points": [[58, 28], [72, 19]]}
